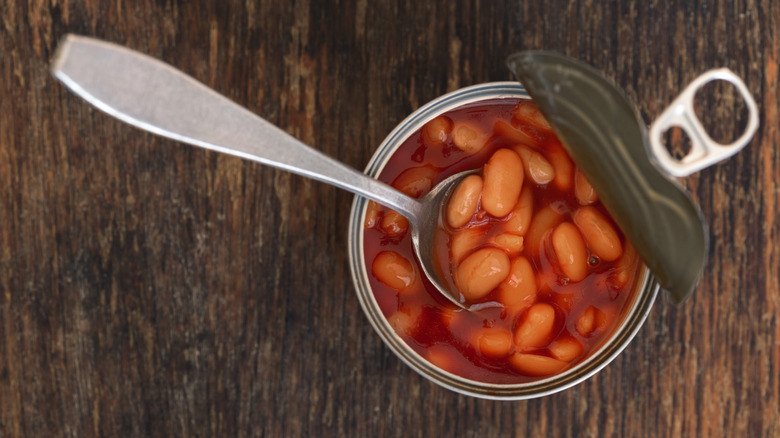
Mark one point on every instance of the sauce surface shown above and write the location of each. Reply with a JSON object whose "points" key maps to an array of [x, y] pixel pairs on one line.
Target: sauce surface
{"points": [[517, 334]]}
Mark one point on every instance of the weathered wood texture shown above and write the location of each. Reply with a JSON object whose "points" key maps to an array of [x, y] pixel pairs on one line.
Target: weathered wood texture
{"points": [[154, 289]]}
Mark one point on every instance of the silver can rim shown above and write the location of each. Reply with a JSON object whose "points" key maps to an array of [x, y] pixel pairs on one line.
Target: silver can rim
{"points": [[638, 308]]}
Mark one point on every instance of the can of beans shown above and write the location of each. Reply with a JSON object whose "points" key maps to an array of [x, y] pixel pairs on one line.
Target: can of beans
{"points": [[512, 345]]}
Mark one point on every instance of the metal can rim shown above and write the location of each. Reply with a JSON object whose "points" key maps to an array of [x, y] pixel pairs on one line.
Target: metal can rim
{"points": [[634, 318]]}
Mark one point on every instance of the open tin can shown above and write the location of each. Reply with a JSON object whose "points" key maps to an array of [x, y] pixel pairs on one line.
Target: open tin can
{"points": [[633, 314], [631, 320], [564, 92]]}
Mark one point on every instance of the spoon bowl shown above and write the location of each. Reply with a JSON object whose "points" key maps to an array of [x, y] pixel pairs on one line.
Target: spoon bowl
{"points": [[425, 229], [158, 98]]}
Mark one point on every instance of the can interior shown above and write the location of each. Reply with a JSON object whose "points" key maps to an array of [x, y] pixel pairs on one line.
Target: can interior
{"points": [[633, 316]]}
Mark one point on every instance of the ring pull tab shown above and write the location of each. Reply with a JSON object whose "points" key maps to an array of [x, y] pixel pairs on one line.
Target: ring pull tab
{"points": [[704, 150]]}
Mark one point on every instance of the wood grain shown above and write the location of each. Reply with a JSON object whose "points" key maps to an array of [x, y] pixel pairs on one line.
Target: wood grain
{"points": [[154, 289]]}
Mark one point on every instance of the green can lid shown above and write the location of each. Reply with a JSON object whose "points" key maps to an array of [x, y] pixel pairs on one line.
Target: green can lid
{"points": [[605, 136]]}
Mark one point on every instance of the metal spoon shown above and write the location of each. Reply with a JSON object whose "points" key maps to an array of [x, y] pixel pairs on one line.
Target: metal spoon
{"points": [[156, 97]]}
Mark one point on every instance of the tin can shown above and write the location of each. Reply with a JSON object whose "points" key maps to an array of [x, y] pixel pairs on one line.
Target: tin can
{"points": [[633, 316]]}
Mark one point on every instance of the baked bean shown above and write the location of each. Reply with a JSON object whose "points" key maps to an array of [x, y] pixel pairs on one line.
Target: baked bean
{"points": [[468, 137], [394, 270], [583, 191], [464, 201], [372, 214], [605, 316], [445, 358], [403, 322], [536, 166], [416, 181], [394, 224], [570, 251], [481, 272], [521, 215], [519, 288], [452, 316], [590, 320], [536, 365], [493, 342], [562, 165], [527, 112], [601, 237], [512, 244], [624, 271], [514, 135], [436, 132], [545, 220], [502, 182], [536, 328], [565, 349], [464, 241]]}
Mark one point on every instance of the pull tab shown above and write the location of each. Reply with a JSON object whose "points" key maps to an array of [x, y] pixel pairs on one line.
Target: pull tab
{"points": [[704, 150]]}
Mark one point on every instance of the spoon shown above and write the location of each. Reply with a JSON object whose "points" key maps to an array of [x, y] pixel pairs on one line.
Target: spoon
{"points": [[155, 97]]}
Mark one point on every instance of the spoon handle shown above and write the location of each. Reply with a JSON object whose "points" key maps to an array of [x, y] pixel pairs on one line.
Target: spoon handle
{"points": [[156, 97]]}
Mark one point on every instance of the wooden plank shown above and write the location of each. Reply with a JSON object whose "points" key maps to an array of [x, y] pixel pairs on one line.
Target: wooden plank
{"points": [[149, 288]]}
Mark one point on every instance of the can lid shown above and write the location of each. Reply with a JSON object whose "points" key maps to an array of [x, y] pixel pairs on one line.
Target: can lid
{"points": [[603, 133]]}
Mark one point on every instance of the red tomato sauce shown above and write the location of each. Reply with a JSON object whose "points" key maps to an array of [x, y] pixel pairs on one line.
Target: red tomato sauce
{"points": [[486, 345]]}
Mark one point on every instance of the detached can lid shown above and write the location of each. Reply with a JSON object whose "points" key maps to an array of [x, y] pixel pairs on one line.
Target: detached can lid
{"points": [[628, 166]]}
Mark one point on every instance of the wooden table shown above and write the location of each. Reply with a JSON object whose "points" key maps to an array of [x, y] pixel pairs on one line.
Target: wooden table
{"points": [[153, 289]]}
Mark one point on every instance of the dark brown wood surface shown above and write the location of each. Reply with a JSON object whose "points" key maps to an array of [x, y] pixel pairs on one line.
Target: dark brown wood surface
{"points": [[153, 289]]}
